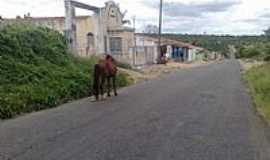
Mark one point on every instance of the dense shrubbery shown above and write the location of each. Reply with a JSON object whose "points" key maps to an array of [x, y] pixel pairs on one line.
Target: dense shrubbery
{"points": [[37, 73], [260, 51]]}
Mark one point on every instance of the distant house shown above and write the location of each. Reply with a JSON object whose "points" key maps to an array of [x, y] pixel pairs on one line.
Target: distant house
{"points": [[175, 50]]}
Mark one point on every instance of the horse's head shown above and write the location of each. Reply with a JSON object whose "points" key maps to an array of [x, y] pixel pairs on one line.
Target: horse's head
{"points": [[109, 58]]}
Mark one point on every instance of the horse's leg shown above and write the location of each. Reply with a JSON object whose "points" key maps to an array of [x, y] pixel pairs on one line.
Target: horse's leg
{"points": [[96, 89], [96, 82], [102, 86], [109, 86], [114, 85], [96, 92]]}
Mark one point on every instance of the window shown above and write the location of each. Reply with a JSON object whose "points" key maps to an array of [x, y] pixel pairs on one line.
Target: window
{"points": [[90, 43], [116, 45]]}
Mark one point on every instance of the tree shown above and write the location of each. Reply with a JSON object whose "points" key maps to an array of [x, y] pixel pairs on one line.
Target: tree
{"points": [[267, 32], [151, 29]]}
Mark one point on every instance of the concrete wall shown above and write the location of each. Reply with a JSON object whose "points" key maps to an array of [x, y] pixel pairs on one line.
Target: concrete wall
{"points": [[147, 50], [192, 54], [127, 46], [84, 26], [108, 18]]}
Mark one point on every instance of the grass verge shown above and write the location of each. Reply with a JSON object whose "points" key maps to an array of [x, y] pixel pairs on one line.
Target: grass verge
{"points": [[258, 79]]}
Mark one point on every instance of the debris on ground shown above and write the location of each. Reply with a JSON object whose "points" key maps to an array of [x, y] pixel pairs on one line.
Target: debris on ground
{"points": [[153, 71]]}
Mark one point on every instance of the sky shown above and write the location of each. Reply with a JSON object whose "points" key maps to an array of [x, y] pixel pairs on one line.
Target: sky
{"points": [[235, 17]]}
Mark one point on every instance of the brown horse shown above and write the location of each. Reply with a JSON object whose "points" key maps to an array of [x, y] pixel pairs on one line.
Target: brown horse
{"points": [[105, 70]]}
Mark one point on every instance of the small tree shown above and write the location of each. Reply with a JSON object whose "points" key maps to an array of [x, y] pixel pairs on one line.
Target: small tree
{"points": [[267, 32], [151, 29]]}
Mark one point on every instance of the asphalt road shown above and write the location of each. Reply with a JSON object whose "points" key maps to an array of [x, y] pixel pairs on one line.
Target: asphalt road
{"points": [[196, 114]]}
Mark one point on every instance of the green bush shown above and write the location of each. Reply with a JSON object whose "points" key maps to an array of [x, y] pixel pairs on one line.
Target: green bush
{"points": [[260, 51], [249, 51], [37, 72]]}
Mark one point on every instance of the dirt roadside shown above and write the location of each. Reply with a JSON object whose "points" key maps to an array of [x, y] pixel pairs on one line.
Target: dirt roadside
{"points": [[154, 71]]}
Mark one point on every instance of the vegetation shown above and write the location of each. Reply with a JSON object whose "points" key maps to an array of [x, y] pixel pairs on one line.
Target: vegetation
{"points": [[267, 32], [259, 82], [259, 51], [37, 72], [217, 43]]}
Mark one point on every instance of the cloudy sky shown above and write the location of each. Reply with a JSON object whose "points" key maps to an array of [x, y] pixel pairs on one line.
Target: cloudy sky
{"points": [[236, 17]]}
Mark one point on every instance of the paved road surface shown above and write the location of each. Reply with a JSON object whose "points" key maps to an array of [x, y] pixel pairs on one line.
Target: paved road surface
{"points": [[197, 114]]}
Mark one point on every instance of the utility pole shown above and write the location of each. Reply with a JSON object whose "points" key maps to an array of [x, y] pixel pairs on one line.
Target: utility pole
{"points": [[160, 31], [135, 45], [70, 27]]}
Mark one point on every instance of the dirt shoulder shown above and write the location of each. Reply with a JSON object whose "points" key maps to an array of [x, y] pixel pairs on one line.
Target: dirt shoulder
{"points": [[247, 64], [154, 71]]}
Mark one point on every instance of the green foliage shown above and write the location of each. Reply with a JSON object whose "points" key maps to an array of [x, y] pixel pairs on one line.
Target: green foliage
{"points": [[37, 72], [217, 43], [249, 51], [267, 32], [122, 80], [260, 51], [220, 43], [259, 81]]}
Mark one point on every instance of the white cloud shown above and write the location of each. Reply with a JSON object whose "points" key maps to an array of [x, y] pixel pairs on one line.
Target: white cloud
{"points": [[186, 16]]}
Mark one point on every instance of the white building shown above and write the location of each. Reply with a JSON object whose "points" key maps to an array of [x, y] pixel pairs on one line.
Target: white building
{"points": [[147, 49]]}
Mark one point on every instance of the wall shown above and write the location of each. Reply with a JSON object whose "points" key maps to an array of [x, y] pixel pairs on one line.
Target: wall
{"points": [[99, 24], [147, 50], [84, 26], [127, 44]]}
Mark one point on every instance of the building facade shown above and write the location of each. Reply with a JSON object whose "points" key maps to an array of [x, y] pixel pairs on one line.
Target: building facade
{"points": [[105, 32], [97, 34], [147, 49]]}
